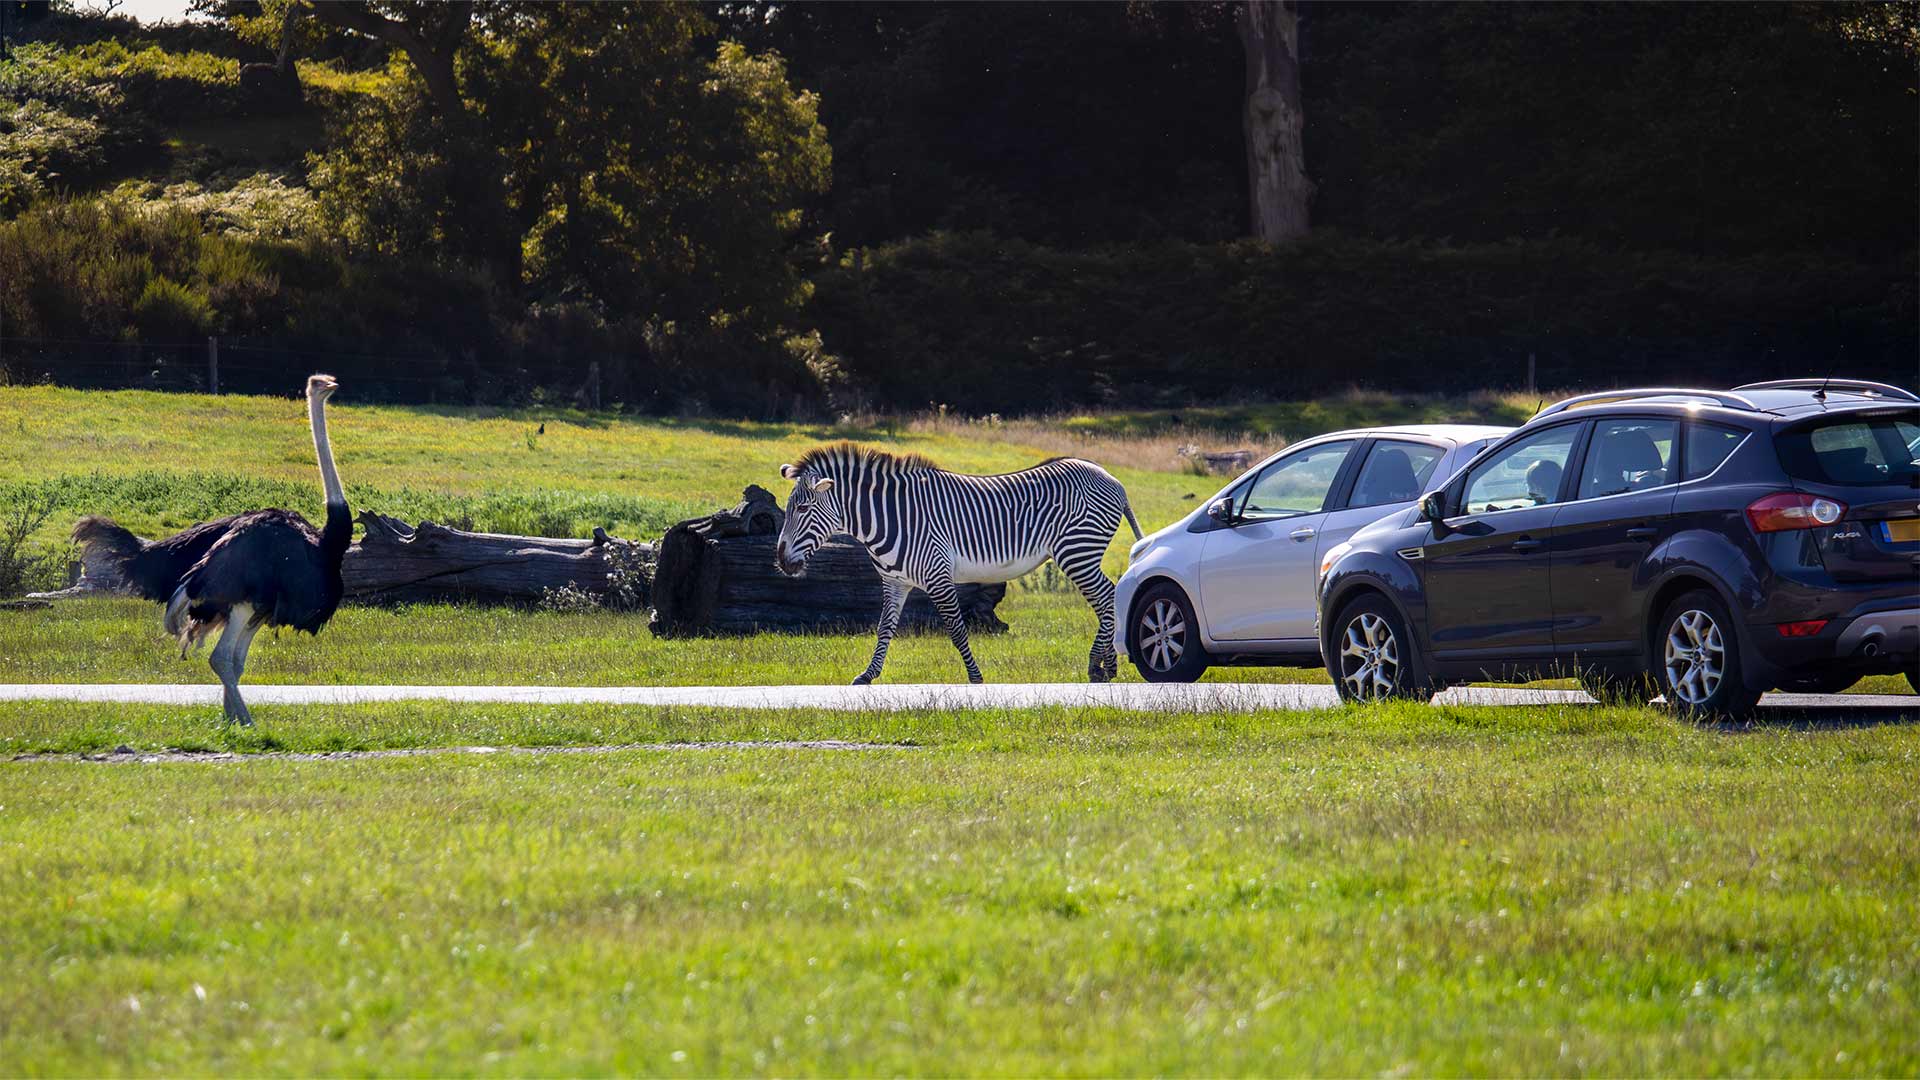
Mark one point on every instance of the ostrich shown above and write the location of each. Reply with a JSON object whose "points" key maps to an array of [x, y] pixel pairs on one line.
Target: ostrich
{"points": [[235, 575]]}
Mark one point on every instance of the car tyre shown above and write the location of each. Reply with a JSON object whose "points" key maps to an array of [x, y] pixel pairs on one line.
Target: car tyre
{"points": [[1913, 679], [1164, 640], [1829, 683], [1696, 655], [1371, 655]]}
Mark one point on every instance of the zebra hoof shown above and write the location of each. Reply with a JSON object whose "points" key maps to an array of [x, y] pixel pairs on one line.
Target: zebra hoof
{"points": [[1098, 675], [863, 680]]}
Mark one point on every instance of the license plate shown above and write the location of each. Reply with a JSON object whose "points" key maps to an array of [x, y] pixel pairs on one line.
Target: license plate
{"points": [[1906, 531]]}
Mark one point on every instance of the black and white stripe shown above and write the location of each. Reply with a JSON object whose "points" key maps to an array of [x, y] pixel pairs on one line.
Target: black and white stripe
{"points": [[930, 529]]}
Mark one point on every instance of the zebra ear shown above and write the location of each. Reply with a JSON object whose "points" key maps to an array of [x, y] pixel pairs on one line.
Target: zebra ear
{"points": [[789, 472], [821, 487]]}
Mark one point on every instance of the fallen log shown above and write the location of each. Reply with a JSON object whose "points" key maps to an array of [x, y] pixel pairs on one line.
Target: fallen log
{"points": [[716, 575], [398, 563]]}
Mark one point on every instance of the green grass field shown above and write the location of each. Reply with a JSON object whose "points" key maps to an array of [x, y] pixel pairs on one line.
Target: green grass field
{"points": [[1399, 890]]}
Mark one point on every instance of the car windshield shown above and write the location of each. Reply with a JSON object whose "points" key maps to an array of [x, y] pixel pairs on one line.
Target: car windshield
{"points": [[1854, 450]]}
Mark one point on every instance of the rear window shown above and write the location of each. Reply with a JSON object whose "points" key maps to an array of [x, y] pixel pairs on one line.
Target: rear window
{"points": [[1854, 450]]}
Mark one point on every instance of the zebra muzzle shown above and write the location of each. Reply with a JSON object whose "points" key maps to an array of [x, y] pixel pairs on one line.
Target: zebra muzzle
{"points": [[786, 563]]}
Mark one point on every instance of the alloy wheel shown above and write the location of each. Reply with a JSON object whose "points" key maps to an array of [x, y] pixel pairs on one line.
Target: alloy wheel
{"points": [[1163, 638], [1696, 657], [1369, 658]]}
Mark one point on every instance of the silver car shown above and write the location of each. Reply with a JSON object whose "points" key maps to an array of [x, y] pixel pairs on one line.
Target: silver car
{"points": [[1232, 582]]}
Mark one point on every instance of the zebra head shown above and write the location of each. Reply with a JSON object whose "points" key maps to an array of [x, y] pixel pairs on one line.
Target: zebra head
{"points": [[813, 514]]}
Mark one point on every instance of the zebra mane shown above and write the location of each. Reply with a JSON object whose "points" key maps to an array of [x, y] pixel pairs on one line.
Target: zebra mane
{"points": [[845, 452]]}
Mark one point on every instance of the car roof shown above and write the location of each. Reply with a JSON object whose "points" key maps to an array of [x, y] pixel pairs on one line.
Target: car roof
{"points": [[1799, 402], [1751, 403], [1455, 433]]}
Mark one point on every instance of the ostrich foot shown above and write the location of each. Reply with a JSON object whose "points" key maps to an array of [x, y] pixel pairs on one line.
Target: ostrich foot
{"points": [[236, 709]]}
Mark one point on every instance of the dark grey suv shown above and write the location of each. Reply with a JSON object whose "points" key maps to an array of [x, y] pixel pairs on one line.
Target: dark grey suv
{"points": [[1707, 545]]}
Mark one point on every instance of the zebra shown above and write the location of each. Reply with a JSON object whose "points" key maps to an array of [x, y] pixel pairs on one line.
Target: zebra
{"points": [[931, 529]]}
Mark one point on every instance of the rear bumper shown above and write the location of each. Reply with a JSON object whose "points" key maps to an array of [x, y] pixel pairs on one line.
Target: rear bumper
{"points": [[1896, 632], [1884, 640]]}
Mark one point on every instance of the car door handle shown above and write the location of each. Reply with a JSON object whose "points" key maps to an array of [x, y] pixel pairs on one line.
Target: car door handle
{"points": [[1526, 544], [1642, 532], [1302, 533]]}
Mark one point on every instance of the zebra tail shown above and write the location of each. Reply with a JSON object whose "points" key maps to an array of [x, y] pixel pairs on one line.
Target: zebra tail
{"points": [[1133, 521]]}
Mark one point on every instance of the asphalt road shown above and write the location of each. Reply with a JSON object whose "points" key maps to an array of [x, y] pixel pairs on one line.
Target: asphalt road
{"points": [[1140, 697]]}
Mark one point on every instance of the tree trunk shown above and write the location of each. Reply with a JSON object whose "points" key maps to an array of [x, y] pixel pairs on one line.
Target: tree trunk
{"points": [[430, 42], [727, 586], [716, 576], [393, 563], [1277, 185]]}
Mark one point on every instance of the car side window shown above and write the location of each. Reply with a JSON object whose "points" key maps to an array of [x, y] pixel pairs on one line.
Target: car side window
{"points": [[1629, 454], [1524, 474], [1707, 446], [1395, 471], [1298, 483]]}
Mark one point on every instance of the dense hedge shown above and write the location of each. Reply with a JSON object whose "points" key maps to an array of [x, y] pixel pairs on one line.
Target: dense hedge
{"points": [[988, 324], [979, 323]]}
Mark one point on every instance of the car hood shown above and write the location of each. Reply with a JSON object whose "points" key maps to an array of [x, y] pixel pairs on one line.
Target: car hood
{"points": [[1394, 522], [1147, 542]]}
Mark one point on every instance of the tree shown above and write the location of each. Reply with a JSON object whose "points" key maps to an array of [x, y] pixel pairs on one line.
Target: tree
{"points": [[433, 34], [276, 27], [430, 32], [1278, 191], [623, 165]]}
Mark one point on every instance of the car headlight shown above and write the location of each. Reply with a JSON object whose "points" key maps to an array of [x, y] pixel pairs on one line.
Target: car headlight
{"points": [[1332, 556]]}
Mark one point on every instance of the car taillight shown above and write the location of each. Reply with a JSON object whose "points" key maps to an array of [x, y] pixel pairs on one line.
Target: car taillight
{"points": [[1793, 510], [1807, 628]]}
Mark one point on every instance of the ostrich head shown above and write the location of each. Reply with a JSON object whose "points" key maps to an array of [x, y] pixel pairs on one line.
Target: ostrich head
{"points": [[321, 387]]}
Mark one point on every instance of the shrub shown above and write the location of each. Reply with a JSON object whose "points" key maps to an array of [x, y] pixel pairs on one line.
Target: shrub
{"points": [[170, 311], [23, 509]]}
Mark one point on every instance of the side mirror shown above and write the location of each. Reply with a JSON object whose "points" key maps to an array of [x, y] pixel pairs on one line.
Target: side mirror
{"points": [[1221, 510], [1433, 510]]}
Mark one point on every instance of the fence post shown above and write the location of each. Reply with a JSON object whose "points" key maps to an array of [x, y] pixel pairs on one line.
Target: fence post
{"points": [[593, 385], [1531, 387], [213, 364]]}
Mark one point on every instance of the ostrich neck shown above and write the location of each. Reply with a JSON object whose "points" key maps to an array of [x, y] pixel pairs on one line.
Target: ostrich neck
{"points": [[329, 479]]}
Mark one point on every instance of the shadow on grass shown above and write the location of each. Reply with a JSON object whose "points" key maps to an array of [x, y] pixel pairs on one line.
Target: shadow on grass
{"points": [[1822, 718]]}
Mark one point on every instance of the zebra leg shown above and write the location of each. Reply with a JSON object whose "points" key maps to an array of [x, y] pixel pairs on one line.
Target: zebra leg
{"points": [[1103, 664], [896, 599], [946, 600]]}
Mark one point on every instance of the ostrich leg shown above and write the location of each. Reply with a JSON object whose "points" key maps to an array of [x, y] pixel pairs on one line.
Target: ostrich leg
{"points": [[229, 660]]}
